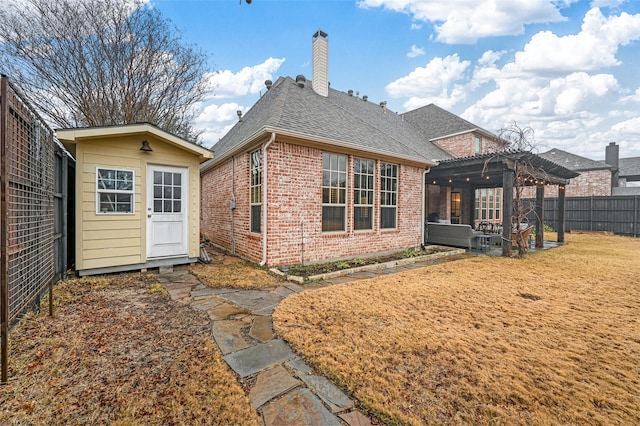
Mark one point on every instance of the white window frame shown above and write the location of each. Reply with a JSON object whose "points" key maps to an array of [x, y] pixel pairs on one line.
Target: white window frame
{"points": [[131, 192], [357, 175], [255, 188], [385, 191], [338, 189]]}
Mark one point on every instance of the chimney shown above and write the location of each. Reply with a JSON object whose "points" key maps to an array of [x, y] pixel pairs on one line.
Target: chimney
{"points": [[320, 63], [612, 158]]}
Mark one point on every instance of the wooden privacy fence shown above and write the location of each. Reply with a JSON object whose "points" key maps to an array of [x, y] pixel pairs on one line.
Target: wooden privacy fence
{"points": [[618, 214], [26, 209]]}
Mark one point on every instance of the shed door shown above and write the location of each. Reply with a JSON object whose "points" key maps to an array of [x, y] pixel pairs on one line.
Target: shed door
{"points": [[167, 212]]}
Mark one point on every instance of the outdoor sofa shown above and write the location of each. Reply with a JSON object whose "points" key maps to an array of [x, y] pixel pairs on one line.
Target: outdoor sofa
{"points": [[452, 235]]}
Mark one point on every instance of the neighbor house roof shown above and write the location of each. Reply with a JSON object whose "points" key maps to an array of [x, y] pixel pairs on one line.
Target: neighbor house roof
{"points": [[338, 119], [437, 123], [573, 162], [630, 168]]}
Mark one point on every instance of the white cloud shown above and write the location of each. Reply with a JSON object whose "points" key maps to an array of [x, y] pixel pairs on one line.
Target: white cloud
{"points": [[227, 84], [431, 83], [606, 3], [415, 26], [415, 51], [628, 127], [468, 20], [594, 47]]}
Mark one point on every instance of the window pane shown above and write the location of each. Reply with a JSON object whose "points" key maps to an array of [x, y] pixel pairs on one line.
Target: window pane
{"points": [[167, 192], [177, 179], [255, 218], [333, 218], [387, 217], [177, 206], [157, 206], [177, 193], [168, 178], [362, 218], [167, 206], [157, 178]]}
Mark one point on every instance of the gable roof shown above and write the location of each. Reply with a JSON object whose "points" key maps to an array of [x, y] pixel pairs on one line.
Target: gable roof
{"points": [[629, 168], [337, 119], [77, 135], [573, 162], [437, 123]]}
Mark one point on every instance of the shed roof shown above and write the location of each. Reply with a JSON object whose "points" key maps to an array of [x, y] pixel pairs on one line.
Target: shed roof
{"points": [[80, 134], [338, 119]]}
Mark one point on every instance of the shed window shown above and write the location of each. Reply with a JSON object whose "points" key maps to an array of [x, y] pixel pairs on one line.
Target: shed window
{"points": [[114, 191], [388, 195], [255, 186], [334, 192]]}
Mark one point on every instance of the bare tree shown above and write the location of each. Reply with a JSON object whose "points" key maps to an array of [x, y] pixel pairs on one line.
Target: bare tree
{"points": [[522, 147], [102, 62]]}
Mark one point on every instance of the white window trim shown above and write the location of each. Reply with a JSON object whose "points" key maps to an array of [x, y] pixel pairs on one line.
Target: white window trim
{"points": [[397, 192], [373, 191], [114, 191], [252, 187], [346, 198]]}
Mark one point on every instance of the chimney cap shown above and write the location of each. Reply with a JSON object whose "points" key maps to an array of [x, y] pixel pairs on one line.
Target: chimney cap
{"points": [[320, 33]]}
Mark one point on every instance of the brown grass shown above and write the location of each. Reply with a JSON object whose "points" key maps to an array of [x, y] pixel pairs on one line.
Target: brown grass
{"points": [[550, 339], [227, 271], [119, 352]]}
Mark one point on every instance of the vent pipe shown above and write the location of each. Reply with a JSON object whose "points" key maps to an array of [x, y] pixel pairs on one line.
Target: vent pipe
{"points": [[320, 63], [350, 92], [301, 80], [268, 83]]}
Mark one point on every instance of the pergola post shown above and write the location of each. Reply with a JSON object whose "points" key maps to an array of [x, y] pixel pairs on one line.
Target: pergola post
{"points": [[539, 212], [561, 203], [507, 209]]}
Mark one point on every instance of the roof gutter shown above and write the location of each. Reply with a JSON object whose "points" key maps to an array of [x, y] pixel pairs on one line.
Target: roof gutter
{"points": [[265, 181]]}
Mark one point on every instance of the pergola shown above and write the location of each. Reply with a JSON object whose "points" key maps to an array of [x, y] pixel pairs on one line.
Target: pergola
{"points": [[499, 169]]}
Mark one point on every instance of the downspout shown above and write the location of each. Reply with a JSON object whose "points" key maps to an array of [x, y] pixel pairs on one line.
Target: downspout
{"points": [[264, 198], [424, 201]]}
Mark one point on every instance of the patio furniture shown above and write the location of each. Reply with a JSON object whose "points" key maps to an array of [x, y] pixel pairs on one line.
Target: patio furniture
{"points": [[452, 235]]}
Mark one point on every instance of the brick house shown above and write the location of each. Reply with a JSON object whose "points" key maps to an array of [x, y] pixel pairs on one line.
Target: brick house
{"points": [[310, 173]]}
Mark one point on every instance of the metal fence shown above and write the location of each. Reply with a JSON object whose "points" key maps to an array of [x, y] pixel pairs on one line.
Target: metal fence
{"points": [[617, 214], [26, 208]]}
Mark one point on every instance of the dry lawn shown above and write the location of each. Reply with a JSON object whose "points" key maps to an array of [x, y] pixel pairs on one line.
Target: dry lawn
{"points": [[553, 338], [232, 272], [119, 352]]}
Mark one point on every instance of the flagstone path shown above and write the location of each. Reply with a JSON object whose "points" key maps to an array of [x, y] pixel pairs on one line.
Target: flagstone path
{"points": [[283, 388]]}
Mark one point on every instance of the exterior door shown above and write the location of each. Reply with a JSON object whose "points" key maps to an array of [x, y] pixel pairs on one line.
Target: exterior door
{"points": [[167, 212]]}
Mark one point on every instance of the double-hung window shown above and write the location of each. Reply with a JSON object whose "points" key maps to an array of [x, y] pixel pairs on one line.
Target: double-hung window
{"points": [[255, 186], [388, 195], [114, 191], [334, 192], [363, 182]]}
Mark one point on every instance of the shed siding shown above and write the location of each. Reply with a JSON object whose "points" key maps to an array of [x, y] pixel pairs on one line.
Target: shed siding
{"points": [[120, 239]]}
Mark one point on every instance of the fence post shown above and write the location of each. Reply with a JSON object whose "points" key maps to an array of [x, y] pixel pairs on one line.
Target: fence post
{"points": [[635, 215], [4, 270]]}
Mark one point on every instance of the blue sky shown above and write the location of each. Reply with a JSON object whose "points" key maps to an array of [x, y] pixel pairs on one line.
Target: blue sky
{"points": [[569, 69]]}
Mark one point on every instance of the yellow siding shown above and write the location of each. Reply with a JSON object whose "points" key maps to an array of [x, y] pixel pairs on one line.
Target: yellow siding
{"points": [[120, 239]]}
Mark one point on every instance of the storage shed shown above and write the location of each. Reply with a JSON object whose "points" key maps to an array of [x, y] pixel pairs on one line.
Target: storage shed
{"points": [[137, 197]]}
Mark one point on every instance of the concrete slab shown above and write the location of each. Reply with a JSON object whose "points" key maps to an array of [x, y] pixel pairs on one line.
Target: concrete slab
{"points": [[330, 394], [262, 328], [298, 407], [283, 291], [355, 418], [254, 300], [294, 287], [228, 335], [270, 384], [260, 357], [197, 292], [224, 311]]}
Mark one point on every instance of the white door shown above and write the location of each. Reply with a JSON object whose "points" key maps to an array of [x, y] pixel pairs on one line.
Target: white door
{"points": [[167, 211]]}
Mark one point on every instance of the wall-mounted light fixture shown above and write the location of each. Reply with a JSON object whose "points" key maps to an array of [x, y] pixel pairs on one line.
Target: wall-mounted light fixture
{"points": [[145, 147]]}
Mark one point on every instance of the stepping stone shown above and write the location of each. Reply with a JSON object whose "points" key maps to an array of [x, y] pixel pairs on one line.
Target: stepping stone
{"points": [[261, 329], [270, 384], [257, 358], [206, 304], [299, 366], [224, 311], [335, 399], [228, 336], [283, 291], [355, 418], [197, 293], [294, 287], [298, 407], [255, 300]]}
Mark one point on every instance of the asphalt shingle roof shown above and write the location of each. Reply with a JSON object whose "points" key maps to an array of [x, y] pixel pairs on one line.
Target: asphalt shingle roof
{"points": [[630, 167], [338, 117], [573, 161], [435, 122]]}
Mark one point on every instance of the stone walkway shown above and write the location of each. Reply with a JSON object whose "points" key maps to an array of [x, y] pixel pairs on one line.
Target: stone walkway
{"points": [[283, 389]]}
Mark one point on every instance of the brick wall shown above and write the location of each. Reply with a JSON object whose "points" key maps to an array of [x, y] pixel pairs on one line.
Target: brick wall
{"points": [[463, 145], [294, 223], [590, 183]]}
